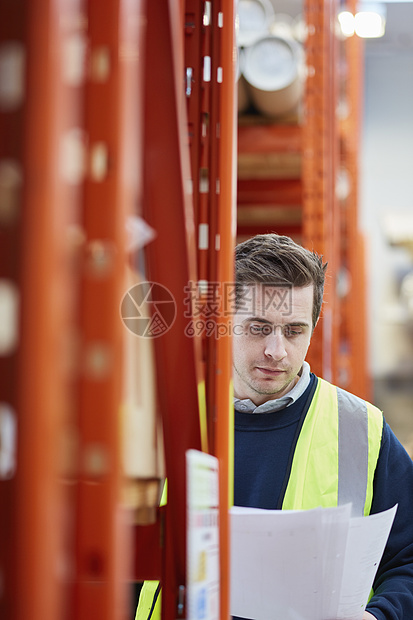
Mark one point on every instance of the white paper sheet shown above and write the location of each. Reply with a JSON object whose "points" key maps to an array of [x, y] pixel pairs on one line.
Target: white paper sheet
{"points": [[304, 565], [367, 539]]}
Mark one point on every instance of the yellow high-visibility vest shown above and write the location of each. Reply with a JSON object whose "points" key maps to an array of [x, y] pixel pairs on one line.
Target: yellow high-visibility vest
{"points": [[336, 453], [149, 606], [333, 464]]}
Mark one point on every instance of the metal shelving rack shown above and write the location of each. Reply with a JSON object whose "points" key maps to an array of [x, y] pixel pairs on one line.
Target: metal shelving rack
{"points": [[191, 141]]}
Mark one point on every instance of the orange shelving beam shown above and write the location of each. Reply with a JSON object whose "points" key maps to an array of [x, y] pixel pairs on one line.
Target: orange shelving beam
{"points": [[278, 192], [269, 138], [269, 175]]}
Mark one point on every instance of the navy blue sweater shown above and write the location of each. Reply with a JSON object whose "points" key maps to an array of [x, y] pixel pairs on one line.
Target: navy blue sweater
{"points": [[264, 446]]}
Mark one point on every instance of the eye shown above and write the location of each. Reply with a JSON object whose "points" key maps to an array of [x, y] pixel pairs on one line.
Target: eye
{"points": [[292, 330], [260, 330], [255, 330]]}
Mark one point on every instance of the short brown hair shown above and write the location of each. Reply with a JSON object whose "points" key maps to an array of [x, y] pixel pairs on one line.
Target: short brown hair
{"points": [[279, 261]]}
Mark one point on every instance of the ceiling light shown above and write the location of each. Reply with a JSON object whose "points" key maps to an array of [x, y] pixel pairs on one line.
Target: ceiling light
{"points": [[346, 21], [369, 25], [368, 22]]}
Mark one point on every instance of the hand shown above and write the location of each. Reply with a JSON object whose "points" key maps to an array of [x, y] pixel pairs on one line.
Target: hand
{"points": [[368, 616]]}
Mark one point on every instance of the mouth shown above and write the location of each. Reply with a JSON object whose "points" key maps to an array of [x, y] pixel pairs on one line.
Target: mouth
{"points": [[270, 372]]}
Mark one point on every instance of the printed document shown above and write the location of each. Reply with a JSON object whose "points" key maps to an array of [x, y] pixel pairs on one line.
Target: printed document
{"points": [[306, 564]]}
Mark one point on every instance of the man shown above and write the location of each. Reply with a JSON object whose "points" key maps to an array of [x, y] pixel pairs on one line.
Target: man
{"points": [[299, 441]]}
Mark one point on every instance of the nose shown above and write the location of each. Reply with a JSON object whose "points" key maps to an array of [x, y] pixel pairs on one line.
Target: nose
{"points": [[275, 346]]}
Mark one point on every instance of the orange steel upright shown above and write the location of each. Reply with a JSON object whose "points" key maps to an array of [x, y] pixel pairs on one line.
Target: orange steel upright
{"points": [[171, 262], [226, 230], [199, 224], [39, 96], [198, 86], [201, 60], [110, 125], [354, 338], [12, 110], [212, 132], [319, 166]]}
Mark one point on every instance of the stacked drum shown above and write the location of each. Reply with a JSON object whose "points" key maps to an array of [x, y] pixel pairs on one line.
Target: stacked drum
{"points": [[271, 65]]}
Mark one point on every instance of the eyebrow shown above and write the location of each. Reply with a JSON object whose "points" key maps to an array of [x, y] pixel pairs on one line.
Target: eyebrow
{"points": [[259, 319]]}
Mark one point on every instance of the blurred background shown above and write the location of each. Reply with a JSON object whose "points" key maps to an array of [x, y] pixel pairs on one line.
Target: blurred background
{"points": [[385, 194], [139, 141]]}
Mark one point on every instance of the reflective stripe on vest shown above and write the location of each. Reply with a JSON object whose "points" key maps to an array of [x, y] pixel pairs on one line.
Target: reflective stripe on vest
{"points": [[336, 453], [149, 605]]}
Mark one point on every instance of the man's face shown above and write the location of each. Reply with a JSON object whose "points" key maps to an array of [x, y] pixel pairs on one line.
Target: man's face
{"points": [[272, 333]]}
